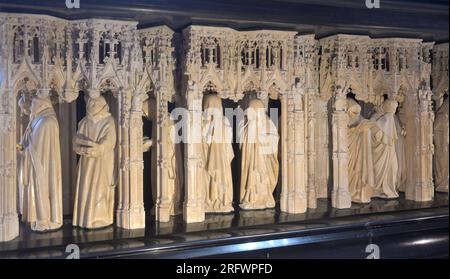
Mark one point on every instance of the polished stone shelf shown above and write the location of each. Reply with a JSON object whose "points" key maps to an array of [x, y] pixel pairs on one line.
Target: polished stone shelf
{"points": [[160, 240]]}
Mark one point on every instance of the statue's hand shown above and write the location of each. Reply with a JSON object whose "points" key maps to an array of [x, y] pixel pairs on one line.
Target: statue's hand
{"points": [[366, 125], [403, 132], [19, 147], [147, 144]]}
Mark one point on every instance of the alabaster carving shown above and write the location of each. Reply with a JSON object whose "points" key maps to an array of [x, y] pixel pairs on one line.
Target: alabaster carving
{"points": [[316, 143], [360, 164], [25, 107], [259, 151], [173, 181], [40, 170], [96, 178], [217, 136], [384, 138], [401, 155], [441, 143]]}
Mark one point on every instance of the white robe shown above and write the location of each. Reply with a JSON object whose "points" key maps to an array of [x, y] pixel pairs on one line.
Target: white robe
{"points": [[401, 156], [40, 173], [384, 137], [94, 197], [259, 166], [441, 142], [360, 165], [217, 156]]}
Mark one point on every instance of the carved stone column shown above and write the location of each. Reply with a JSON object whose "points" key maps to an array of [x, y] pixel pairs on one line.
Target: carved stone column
{"points": [[322, 157], [423, 188], [130, 212], [9, 222], [311, 144], [194, 203], [341, 197], [163, 200], [294, 178]]}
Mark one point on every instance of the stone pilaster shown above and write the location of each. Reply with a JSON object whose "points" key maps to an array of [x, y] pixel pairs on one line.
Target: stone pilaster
{"points": [[311, 147], [194, 203], [293, 194], [163, 200], [9, 222], [423, 188], [130, 212], [341, 197], [322, 149]]}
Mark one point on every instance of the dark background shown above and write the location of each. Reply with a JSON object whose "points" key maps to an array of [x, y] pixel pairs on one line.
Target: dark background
{"points": [[427, 19]]}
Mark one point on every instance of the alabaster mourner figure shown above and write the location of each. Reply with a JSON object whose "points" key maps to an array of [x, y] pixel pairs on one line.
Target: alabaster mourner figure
{"points": [[401, 156], [441, 142], [384, 138], [360, 166], [95, 142], [259, 166], [40, 169], [217, 156], [174, 178]]}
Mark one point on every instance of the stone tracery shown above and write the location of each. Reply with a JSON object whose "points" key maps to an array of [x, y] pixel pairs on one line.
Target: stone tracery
{"points": [[309, 77]]}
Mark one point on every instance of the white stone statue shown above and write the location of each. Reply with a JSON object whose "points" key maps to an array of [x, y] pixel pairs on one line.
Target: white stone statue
{"points": [[441, 142], [174, 179], [96, 179], [259, 166], [217, 136], [384, 138], [360, 164], [401, 155], [40, 169]]}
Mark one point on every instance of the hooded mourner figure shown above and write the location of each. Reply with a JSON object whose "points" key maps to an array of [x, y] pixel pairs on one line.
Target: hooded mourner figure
{"points": [[217, 155], [384, 138], [95, 142], [40, 170], [259, 167], [360, 165]]}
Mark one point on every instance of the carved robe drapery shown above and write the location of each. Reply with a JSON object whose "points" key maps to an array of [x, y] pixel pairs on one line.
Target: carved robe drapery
{"points": [[217, 136], [96, 180], [384, 138], [40, 170], [360, 165], [259, 167], [441, 142], [401, 156]]}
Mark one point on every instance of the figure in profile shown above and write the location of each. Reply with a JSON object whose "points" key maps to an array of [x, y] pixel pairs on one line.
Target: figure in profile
{"points": [[40, 169]]}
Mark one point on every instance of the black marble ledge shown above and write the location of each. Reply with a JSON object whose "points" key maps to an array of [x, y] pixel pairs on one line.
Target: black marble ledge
{"points": [[225, 234]]}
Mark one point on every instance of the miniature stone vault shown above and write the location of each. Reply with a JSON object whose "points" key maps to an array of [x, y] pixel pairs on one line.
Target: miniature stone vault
{"points": [[47, 56]]}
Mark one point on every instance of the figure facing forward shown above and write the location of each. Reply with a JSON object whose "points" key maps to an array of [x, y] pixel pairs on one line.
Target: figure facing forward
{"points": [[95, 142], [384, 138], [217, 156], [259, 166], [40, 170]]}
